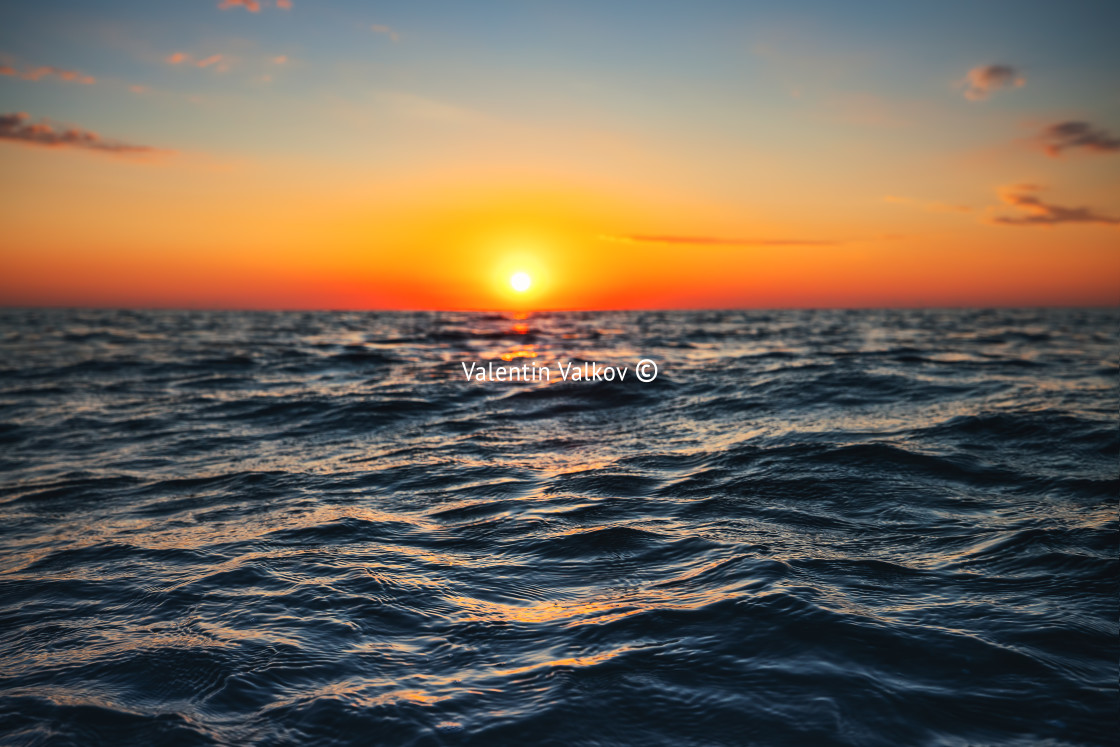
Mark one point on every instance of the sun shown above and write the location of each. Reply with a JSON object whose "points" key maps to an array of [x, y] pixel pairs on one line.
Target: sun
{"points": [[520, 281]]}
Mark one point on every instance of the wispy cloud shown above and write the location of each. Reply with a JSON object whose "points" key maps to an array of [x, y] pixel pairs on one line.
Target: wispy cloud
{"points": [[19, 128], [253, 6], [929, 207], [981, 82], [1072, 135], [44, 71], [1035, 212], [378, 28], [219, 62], [711, 240]]}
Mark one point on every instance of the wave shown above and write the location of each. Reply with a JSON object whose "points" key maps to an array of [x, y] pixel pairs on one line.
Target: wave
{"points": [[821, 527]]}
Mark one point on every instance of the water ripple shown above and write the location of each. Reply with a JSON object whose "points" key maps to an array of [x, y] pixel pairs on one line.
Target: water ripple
{"points": [[827, 528]]}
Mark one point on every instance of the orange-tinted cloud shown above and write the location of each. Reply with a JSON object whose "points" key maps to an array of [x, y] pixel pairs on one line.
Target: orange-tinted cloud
{"points": [[981, 82], [1035, 212], [713, 240], [18, 128], [182, 58], [253, 6], [1069, 135], [386, 30], [35, 73]]}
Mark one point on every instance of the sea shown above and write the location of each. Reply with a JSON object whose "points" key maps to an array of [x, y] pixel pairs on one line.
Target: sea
{"points": [[855, 527]]}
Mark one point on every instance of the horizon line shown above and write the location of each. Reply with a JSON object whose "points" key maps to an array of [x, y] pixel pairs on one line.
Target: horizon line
{"points": [[492, 310]]}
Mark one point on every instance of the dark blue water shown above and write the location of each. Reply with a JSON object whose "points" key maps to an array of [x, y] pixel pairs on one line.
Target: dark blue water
{"points": [[818, 528]]}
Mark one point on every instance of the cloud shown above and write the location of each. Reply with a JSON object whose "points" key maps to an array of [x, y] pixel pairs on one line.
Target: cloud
{"points": [[280, 59], [220, 62], [1069, 135], [1035, 212], [381, 29], [981, 82], [35, 73], [929, 207], [253, 6], [18, 128], [711, 240]]}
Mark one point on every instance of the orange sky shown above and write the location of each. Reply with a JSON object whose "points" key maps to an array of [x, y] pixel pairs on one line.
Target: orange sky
{"points": [[244, 163]]}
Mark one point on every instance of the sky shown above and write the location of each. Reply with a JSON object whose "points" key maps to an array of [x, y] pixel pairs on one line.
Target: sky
{"points": [[285, 154]]}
